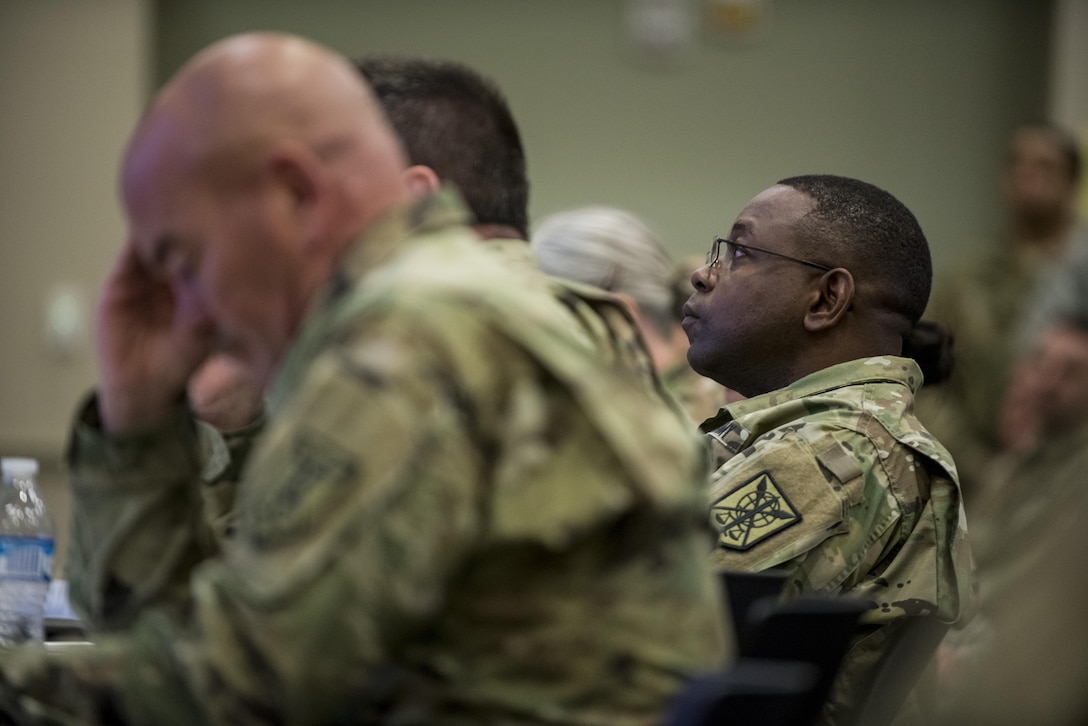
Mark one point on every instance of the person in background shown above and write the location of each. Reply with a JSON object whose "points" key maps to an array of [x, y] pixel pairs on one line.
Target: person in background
{"points": [[1045, 463], [614, 250], [461, 509], [456, 128], [1023, 659], [823, 470], [987, 304]]}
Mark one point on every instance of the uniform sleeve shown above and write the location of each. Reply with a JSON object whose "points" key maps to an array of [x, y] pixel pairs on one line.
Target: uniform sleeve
{"points": [[136, 529], [356, 508], [810, 504]]}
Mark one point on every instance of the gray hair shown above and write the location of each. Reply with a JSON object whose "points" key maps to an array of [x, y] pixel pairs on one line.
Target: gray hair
{"points": [[613, 250]]}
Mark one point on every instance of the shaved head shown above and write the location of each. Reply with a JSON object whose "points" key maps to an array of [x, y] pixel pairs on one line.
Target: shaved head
{"points": [[241, 99], [248, 178]]}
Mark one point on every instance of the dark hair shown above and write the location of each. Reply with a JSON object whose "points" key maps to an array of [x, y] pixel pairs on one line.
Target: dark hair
{"points": [[932, 346], [871, 233], [456, 122]]}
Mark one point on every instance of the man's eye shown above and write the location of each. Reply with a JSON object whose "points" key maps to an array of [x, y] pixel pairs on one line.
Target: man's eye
{"points": [[179, 267]]}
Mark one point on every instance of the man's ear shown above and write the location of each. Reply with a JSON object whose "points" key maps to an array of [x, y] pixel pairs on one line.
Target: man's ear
{"points": [[421, 180], [830, 300], [309, 190]]}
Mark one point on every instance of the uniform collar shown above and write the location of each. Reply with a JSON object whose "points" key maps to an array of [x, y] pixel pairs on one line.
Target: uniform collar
{"points": [[879, 369], [379, 240]]}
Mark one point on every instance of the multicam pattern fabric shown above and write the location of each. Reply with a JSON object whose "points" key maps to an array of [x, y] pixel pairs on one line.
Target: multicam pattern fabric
{"points": [[834, 479], [467, 506], [1032, 494]]}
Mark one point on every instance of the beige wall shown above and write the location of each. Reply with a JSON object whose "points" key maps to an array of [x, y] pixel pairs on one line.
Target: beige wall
{"points": [[73, 74], [1069, 75], [915, 95]]}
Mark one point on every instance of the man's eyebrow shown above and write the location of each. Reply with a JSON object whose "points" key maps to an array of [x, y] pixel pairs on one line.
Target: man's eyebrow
{"points": [[738, 229]]}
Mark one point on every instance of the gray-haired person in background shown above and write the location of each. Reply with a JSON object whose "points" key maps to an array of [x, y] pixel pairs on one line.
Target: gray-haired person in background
{"points": [[616, 251]]}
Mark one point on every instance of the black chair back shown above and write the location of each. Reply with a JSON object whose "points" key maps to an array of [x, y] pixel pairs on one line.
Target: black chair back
{"points": [[748, 693], [742, 591], [813, 629]]}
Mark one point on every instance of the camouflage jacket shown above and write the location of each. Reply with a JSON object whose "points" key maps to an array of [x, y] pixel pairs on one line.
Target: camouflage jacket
{"points": [[1030, 495], [125, 556], [466, 507], [834, 479]]}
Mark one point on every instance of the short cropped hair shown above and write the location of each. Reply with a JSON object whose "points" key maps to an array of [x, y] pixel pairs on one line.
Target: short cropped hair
{"points": [[613, 250], [863, 228], [455, 121]]}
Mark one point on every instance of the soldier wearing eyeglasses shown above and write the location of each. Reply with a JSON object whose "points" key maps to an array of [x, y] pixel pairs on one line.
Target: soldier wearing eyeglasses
{"points": [[824, 470]]}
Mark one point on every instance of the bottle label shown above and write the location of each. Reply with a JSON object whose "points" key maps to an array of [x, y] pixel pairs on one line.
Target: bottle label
{"points": [[26, 558]]}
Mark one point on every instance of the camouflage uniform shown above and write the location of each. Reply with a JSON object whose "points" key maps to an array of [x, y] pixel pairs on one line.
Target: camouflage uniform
{"points": [[119, 570], [1031, 494], [1022, 660], [460, 512], [834, 479]]}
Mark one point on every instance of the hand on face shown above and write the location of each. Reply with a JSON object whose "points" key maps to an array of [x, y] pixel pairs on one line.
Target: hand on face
{"points": [[150, 340], [225, 393]]}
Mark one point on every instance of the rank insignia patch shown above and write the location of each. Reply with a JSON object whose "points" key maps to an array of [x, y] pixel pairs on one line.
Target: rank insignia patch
{"points": [[752, 512]]}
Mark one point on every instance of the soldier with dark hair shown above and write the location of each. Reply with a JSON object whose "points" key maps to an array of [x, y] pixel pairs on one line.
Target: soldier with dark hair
{"points": [[824, 470], [456, 127]]}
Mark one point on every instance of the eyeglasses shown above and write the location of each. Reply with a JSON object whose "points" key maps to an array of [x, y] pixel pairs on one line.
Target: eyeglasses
{"points": [[713, 257]]}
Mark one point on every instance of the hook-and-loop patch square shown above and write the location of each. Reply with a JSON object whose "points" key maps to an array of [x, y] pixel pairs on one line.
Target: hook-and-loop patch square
{"points": [[752, 512]]}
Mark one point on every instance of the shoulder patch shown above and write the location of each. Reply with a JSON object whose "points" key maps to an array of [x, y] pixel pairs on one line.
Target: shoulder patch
{"points": [[752, 512], [300, 480]]}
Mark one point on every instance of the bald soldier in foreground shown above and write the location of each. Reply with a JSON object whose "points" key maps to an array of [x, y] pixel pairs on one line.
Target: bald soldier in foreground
{"points": [[824, 470], [460, 511], [456, 128]]}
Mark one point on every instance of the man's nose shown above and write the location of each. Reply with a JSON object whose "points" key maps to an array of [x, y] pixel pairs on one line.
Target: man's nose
{"points": [[703, 278]]}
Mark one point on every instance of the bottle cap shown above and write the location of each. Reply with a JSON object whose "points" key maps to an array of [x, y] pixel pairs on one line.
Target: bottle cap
{"points": [[18, 466]]}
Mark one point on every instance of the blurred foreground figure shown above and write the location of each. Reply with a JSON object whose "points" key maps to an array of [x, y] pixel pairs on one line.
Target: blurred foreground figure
{"points": [[615, 251], [997, 302], [466, 507], [455, 127], [824, 470]]}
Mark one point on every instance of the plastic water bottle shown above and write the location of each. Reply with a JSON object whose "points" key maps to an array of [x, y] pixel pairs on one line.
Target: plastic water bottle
{"points": [[26, 553]]}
